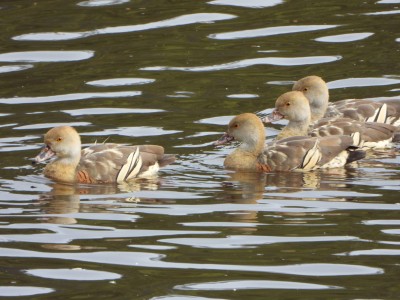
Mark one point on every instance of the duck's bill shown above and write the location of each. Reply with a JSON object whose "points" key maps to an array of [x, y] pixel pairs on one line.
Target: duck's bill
{"points": [[226, 138], [44, 155], [272, 117]]}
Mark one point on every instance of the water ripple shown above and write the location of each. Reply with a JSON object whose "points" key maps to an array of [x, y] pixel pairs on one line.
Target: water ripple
{"points": [[388, 2], [247, 3], [73, 274], [133, 131], [177, 21], [276, 61], [18, 291], [50, 125], [96, 3], [247, 241], [68, 97], [120, 81], [11, 144], [361, 82], [222, 224], [63, 234], [380, 13], [14, 68], [372, 252], [234, 285], [46, 56], [267, 31], [110, 111], [344, 38], [186, 297], [153, 260], [243, 96], [222, 120], [288, 206]]}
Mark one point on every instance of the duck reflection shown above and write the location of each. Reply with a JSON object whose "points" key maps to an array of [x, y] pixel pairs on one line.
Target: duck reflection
{"points": [[64, 199], [251, 187], [248, 187], [245, 188]]}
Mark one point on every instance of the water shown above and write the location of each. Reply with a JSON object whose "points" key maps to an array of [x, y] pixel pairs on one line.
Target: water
{"points": [[174, 73]]}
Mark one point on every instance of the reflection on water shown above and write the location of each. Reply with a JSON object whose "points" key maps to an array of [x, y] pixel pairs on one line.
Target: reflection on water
{"points": [[14, 68], [178, 21], [73, 274], [260, 32], [67, 97], [344, 38], [92, 3], [174, 73], [120, 81], [277, 61], [45, 56], [252, 285], [248, 3]]}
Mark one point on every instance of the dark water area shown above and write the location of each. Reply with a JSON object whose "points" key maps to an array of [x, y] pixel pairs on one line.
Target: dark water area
{"points": [[174, 73]]}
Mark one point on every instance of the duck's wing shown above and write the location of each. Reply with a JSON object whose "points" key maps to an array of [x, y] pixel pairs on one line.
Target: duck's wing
{"points": [[386, 111], [309, 153], [292, 153], [117, 163], [364, 134]]}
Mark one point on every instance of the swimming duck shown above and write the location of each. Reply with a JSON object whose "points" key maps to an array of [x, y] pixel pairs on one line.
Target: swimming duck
{"points": [[101, 163], [295, 153], [317, 92], [294, 107]]}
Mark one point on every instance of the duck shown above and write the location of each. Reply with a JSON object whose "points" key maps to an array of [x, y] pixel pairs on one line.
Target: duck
{"points": [[297, 153], [99, 163], [294, 107], [317, 92]]}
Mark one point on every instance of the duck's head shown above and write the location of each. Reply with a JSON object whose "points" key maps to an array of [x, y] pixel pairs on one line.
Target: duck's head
{"points": [[314, 88], [62, 141], [246, 128], [292, 106]]}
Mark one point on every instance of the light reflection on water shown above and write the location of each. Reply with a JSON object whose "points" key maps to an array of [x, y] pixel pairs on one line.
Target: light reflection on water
{"points": [[175, 74], [177, 21], [277, 61]]}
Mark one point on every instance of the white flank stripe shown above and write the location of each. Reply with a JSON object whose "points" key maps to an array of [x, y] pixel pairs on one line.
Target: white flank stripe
{"points": [[130, 164], [136, 169], [311, 158], [357, 141], [380, 115], [124, 169]]}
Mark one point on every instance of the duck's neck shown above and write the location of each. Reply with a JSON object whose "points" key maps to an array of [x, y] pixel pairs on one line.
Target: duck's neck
{"points": [[318, 112], [64, 168], [254, 143], [246, 155], [319, 105], [295, 128]]}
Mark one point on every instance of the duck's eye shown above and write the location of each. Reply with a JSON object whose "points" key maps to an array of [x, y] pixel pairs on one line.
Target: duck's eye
{"points": [[59, 139], [287, 103], [236, 125], [305, 89]]}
